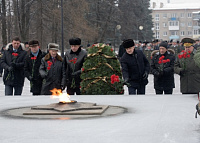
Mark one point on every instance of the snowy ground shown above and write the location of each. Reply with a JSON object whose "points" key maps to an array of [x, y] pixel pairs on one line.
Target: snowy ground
{"points": [[150, 119]]}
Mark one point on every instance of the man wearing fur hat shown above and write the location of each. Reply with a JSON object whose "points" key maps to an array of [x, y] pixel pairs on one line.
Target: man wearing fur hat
{"points": [[13, 64], [162, 67], [135, 68], [188, 69], [52, 70], [73, 62], [32, 65]]}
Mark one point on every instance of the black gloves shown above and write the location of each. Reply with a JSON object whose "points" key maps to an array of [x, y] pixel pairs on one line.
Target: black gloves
{"points": [[126, 82], [182, 72], [10, 69], [145, 75], [30, 78], [156, 73], [76, 73], [13, 65]]}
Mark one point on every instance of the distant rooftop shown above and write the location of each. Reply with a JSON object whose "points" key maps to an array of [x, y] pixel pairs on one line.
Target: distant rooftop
{"points": [[174, 4]]}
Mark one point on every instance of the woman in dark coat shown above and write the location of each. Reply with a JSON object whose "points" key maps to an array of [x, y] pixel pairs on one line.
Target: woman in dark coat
{"points": [[162, 67], [32, 65], [52, 70]]}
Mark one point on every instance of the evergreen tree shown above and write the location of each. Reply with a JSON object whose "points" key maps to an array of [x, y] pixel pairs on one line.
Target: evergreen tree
{"points": [[101, 73]]}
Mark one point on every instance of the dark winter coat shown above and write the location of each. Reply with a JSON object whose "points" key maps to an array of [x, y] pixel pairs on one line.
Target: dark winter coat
{"points": [[53, 78], [80, 55], [190, 80], [36, 82], [17, 76], [165, 80], [134, 66]]}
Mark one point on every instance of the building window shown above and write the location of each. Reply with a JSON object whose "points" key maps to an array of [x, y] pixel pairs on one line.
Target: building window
{"points": [[173, 23], [189, 24], [164, 24], [164, 15], [189, 33], [157, 17], [173, 15], [165, 33], [196, 23], [189, 15], [157, 35], [182, 33], [174, 33], [182, 24], [182, 15], [196, 32], [157, 26]]}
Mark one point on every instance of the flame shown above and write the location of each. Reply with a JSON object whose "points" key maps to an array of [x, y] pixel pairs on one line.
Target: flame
{"points": [[63, 97]]}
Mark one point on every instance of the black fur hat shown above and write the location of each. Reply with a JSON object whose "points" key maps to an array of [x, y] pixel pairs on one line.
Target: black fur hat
{"points": [[128, 43], [75, 41], [164, 44], [33, 43]]}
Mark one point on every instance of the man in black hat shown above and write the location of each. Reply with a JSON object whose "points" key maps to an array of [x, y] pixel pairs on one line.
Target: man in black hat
{"points": [[135, 68], [188, 70], [162, 67], [32, 65], [73, 62]]}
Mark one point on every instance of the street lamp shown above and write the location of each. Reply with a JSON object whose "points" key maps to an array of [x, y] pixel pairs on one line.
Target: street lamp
{"points": [[62, 34], [140, 28]]}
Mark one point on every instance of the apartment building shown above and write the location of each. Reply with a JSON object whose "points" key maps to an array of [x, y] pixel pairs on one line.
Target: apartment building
{"points": [[176, 21]]}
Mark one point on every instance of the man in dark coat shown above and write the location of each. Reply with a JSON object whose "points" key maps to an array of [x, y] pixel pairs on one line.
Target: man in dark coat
{"points": [[52, 70], [135, 68], [13, 64], [188, 70], [32, 65], [1, 55], [73, 62], [162, 67]]}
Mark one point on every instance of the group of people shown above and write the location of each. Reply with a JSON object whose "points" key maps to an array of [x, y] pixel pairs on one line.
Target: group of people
{"points": [[45, 71], [163, 64]]}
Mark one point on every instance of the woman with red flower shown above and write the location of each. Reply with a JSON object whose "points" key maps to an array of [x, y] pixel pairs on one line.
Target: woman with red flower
{"points": [[32, 65], [73, 62], [52, 70], [162, 67], [186, 67], [13, 64]]}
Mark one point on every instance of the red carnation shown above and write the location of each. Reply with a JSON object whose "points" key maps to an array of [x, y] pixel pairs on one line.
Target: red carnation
{"points": [[15, 54], [48, 68]]}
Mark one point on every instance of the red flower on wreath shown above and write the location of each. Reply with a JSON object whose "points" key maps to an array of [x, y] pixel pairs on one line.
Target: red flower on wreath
{"points": [[114, 78]]}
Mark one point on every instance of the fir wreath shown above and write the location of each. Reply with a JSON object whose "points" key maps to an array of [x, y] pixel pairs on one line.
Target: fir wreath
{"points": [[98, 70]]}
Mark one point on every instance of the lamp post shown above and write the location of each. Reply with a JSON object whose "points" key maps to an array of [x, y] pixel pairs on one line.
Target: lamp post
{"points": [[140, 28], [117, 35], [62, 34]]}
